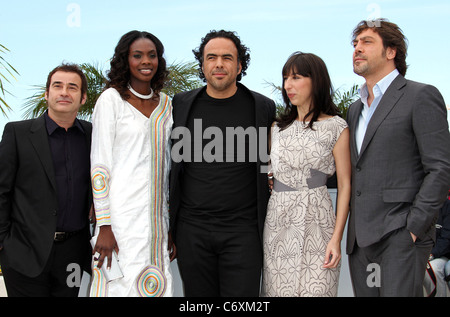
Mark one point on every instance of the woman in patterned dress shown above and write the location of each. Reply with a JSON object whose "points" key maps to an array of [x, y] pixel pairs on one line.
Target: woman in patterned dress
{"points": [[130, 163], [309, 142]]}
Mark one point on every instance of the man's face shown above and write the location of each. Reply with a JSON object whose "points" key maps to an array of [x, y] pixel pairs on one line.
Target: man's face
{"points": [[221, 66], [370, 57], [64, 93]]}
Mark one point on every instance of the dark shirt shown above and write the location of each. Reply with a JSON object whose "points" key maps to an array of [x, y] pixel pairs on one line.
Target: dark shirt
{"points": [[219, 190], [71, 162], [442, 246]]}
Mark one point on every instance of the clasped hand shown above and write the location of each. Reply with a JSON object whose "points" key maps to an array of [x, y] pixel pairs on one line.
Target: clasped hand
{"points": [[105, 245]]}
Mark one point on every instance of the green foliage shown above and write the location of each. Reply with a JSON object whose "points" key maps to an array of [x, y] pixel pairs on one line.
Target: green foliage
{"points": [[36, 105], [276, 90], [9, 71], [182, 77], [343, 99], [96, 83]]}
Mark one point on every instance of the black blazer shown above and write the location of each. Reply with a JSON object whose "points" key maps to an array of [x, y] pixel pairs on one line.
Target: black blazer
{"points": [[28, 201], [265, 115]]}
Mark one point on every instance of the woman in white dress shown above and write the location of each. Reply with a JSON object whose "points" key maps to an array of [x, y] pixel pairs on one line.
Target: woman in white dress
{"points": [[309, 142], [130, 163]]}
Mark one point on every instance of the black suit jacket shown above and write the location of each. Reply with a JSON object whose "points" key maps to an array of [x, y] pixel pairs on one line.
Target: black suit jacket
{"points": [[265, 115], [28, 201]]}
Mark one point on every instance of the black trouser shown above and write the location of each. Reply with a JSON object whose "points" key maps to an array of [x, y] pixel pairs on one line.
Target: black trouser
{"points": [[214, 264], [394, 266], [58, 279]]}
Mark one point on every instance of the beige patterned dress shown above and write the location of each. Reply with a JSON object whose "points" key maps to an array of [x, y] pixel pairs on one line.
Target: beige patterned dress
{"points": [[300, 217]]}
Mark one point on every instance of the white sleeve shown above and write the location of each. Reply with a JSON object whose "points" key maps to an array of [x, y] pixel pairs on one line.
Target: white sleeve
{"points": [[104, 120]]}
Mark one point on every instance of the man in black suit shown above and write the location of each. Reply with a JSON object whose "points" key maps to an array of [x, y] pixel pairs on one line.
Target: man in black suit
{"points": [[219, 190], [45, 193]]}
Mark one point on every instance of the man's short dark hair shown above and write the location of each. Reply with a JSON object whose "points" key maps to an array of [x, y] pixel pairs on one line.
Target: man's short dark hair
{"points": [[69, 68]]}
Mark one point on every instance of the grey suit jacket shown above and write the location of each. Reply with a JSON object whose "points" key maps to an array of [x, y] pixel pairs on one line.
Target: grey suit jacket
{"points": [[28, 201], [402, 174]]}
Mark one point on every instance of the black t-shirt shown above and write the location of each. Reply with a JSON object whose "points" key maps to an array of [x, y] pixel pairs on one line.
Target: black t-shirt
{"points": [[219, 181]]}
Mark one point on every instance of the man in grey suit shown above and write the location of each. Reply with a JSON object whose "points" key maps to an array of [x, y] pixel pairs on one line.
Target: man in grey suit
{"points": [[400, 152]]}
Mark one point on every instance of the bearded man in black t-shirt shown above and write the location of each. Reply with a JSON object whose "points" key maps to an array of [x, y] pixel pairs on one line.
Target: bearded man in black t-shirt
{"points": [[219, 187]]}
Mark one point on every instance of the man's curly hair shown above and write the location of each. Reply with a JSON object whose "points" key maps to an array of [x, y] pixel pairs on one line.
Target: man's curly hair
{"points": [[119, 74], [243, 51]]}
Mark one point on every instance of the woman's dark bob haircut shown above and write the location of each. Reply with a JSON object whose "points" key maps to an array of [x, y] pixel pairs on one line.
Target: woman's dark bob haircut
{"points": [[119, 74], [312, 66]]}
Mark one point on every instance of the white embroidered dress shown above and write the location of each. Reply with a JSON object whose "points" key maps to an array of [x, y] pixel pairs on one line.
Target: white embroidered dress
{"points": [[130, 163]]}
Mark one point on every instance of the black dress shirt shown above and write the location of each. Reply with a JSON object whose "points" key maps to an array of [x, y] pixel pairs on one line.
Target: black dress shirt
{"points": [[71, 161]]}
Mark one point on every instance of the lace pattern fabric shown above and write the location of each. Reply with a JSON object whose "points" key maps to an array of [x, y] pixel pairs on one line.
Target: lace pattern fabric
{"points": [[300, 222]]}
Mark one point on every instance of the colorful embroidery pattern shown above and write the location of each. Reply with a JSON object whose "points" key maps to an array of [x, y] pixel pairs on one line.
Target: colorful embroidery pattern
{"points": [[100, 187], [103, 216], [100, 179], [151, 282], [148, 276], [98, 286], [158, 122]]}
